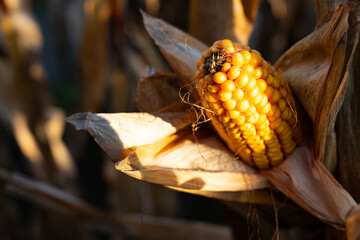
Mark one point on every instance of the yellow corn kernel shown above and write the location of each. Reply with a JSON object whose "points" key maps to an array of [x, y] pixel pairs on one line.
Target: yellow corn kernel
{"points": [[248, 129], [233, 72], [219, 77], [246, 56], [265, 73], [266, 108], [256, 100], [234, 114], [262, 85], [283, 128], [242, 80], [237, 59], [215, 105], [254, 118], [228, 86], [269, 92], [262, 118], [211, 97], [263, 101], [230, 105], [233, 130], [248, 68], [236, 135], [214, 49], [251, 110], [224, 118], [275, 97], [226, 67], [284, 93], [205, 54], [256, 58], [224, 43], [274, 125], [286, 114], [261, 160], [282, 104], [276, 83], [262, 126], [243, 105], [213, 88], [254, 92], [240, 120], [289, 147], [258, 72], [238, 94], [219, 111], [270, 80], [224, 95], [230, 124], [251, 84]]}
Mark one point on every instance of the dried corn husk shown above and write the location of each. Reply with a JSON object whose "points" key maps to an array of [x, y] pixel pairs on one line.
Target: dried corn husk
{"points": [[201, 163], [302, 177], [180, 49], [158, 91], [116, 133], [322, 61]]}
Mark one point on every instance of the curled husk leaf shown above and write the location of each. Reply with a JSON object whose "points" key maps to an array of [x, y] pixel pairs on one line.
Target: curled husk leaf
{"points": [[322, 68], [116, 133]]}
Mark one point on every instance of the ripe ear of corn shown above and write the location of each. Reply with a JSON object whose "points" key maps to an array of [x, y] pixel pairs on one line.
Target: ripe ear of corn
{"points": [[250, 104]]}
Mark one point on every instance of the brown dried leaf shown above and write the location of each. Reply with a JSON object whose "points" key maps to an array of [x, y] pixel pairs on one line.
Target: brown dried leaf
{"points": [[310, 185], [179, 48], [158, 91], [306, 65], [118, 132], [200, 163], [317, 69]]}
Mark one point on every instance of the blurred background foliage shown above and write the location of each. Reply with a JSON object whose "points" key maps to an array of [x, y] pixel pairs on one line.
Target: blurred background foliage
{"points": [[58, 57]]}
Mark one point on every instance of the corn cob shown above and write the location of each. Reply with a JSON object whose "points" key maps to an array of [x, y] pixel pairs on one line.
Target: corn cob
{"points": [[250, 104]]}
